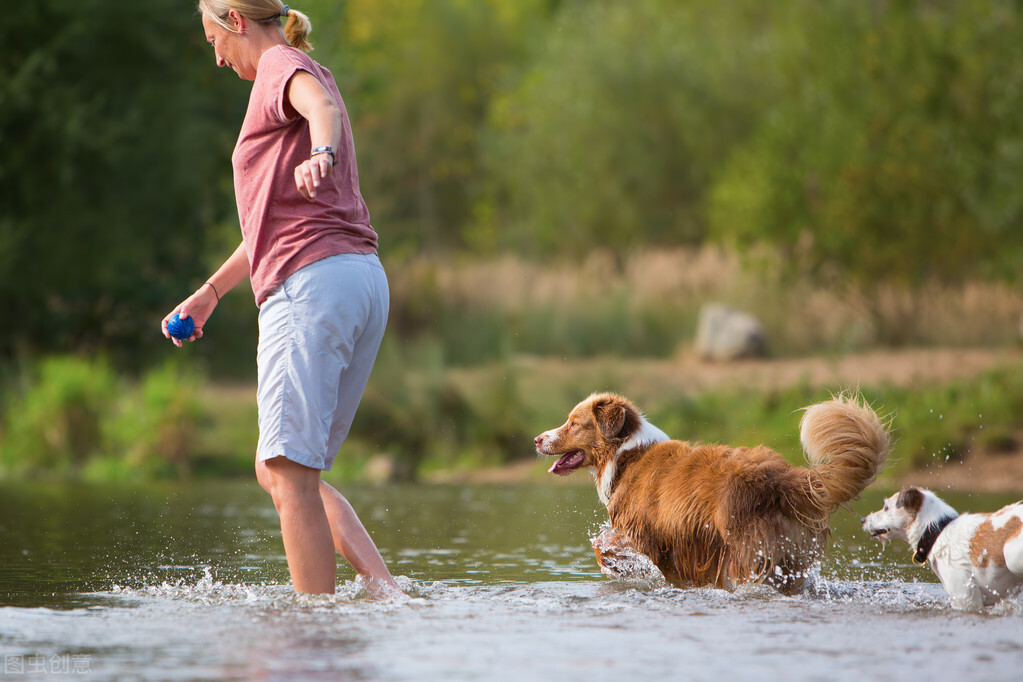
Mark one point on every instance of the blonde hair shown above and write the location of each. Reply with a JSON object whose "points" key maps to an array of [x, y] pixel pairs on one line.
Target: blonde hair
{"points": [[296, 31]]}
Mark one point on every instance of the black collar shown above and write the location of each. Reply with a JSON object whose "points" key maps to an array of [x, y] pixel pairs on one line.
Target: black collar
{"points": [[930, 536]]}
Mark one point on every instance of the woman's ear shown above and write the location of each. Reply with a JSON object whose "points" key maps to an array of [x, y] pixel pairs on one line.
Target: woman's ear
{"points": [[236, 20]]}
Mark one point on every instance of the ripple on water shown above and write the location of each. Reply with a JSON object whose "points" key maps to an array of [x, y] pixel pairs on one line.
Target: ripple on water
{"points": [[640, 587], [637, 588], [205, 626]]}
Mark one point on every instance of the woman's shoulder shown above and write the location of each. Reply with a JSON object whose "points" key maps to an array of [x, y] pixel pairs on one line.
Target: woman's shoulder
{"points": [[278, 64], [285, 56]]}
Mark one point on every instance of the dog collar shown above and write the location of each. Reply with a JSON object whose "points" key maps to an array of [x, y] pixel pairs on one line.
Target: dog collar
{"points": [[930, 536]]}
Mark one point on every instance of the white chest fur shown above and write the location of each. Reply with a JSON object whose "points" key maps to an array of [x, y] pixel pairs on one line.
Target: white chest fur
{"points": [[646, 434]]}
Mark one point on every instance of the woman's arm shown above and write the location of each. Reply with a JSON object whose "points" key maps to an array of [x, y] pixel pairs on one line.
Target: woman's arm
{"points": [[200, 305], [310, 99]]}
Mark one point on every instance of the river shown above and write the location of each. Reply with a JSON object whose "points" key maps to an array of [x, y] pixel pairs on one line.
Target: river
{"points": [[189, 582]]}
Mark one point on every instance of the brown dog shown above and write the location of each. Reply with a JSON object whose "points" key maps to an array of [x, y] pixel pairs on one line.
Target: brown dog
{"points": [[713, 514]]}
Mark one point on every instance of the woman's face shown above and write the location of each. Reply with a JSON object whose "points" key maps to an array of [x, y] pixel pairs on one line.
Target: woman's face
{"points": [[229, 47]]}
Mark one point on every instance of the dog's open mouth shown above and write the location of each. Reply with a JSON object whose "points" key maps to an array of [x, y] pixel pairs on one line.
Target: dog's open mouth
{"points": [[567, 463], [879, 533]]}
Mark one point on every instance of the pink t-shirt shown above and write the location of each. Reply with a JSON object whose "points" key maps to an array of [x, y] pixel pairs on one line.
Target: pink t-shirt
{"points": [[282, 231]]}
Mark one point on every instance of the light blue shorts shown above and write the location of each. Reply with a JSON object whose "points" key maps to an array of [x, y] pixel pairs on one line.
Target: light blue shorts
{"points": [[319, 334]]}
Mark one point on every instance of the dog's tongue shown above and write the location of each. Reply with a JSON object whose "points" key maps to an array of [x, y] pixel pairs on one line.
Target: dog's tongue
{"points": [[566, 464]]}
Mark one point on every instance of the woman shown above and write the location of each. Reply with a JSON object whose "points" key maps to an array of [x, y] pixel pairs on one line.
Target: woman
{"points": [[310, 254]]}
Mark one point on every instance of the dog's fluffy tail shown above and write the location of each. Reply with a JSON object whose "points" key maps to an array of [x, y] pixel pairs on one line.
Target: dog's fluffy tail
{"points": [[845, 443]]}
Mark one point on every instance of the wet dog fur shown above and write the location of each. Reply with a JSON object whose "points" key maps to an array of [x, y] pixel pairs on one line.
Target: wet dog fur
{"points": [[709, 514], [977, 557]]}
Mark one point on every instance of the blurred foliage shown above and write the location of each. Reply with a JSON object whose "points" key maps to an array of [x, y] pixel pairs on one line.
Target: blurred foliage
{"points": [[157, 424], [869, 141], [872, 144], [428, 420], [114, 140], [893, 147], [73, 418], [612, 134], [70, 416], [944, 425], [930, 424], [419, 77], [56, 420]]}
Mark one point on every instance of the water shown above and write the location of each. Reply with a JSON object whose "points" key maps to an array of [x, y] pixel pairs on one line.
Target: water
{"points": [[189, 582]]}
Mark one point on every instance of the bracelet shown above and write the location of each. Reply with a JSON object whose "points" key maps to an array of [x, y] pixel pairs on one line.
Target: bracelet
{"points": [[215, 292], [325, 149]]}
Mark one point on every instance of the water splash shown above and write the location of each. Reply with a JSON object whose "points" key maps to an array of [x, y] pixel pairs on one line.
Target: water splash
{"points": [[621, 562], [1011, 606], [210, 590], [207, 590]]}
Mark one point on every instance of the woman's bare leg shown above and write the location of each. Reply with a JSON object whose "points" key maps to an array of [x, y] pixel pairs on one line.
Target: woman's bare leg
{"points": [[304, 525], [353, 543]]}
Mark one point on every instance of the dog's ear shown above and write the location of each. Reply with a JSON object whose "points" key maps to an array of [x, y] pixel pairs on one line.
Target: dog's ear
{"points": [[615, 417], [910, 498]]}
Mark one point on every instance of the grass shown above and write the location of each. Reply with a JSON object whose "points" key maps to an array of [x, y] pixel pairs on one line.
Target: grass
{"points": [[646, 304], [420, 417], [482, 355]]}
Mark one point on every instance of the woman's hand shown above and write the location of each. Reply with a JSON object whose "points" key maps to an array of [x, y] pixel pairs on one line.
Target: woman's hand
{"points": [[311, 172], [200, 306], [311, 101]]}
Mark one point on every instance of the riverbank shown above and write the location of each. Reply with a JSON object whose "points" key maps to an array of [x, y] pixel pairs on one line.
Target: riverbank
{"points": [[980, 472], [996, 469], [955, 414]]}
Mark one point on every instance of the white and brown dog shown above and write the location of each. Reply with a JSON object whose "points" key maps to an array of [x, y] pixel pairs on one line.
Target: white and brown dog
{"points": [[712, 514], [977, 557]]}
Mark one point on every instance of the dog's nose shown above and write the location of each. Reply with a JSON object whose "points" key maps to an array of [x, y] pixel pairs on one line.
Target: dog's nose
{"points": [[538, 440], [863, 520]]}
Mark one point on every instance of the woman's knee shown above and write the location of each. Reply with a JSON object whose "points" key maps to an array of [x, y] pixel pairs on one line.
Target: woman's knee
{"points": [[287, 481], [264, 476]]}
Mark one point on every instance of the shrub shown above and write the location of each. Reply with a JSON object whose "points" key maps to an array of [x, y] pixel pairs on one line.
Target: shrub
{"points": [[75, 417], [155, 428], [56, 426]]}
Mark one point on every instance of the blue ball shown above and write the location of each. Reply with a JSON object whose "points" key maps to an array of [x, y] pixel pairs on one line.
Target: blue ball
{"points": [[181, 329]]}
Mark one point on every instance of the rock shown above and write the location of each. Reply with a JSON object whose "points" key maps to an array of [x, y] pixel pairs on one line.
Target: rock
{"points": [[727, 334]]}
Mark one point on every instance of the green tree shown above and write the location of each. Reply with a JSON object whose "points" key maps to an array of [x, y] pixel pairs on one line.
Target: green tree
{"points": [[419, 77], [115, 133], [894, 151], [613, 134]]}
